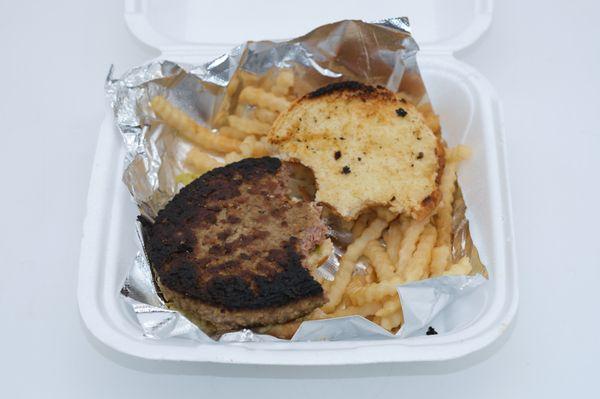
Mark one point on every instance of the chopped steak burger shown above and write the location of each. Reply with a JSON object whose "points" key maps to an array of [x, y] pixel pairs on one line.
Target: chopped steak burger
{"points": [[231, 250]]}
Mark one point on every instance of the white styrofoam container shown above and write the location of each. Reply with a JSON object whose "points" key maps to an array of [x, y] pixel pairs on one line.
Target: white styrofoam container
{"points": [[470, 113]]}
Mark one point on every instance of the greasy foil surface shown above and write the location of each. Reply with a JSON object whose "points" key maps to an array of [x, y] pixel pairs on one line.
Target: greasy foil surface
{"points": [[382, 53]]}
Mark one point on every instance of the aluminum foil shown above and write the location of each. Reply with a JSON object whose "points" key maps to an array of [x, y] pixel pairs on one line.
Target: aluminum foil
{"points": [[382, 53]]}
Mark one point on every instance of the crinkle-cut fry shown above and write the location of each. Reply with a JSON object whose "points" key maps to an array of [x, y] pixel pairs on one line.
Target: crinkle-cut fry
{"points": [[174, 117], [364, 310], [370, 276], [268, 147], [348, 261], [375, 292], [189, 129], [250, 126], [392, 237], [385, 214], [283, 82], [285, 78], [458, 153], [409, 243], [391, 305], [267, 80], [361, 223], [358, 280], [443, 217], [243, 111], [431, 119], [265, 115], [251, 147], [393, 320], [418, 266], [200, 161], [248, 78], [460, 268], [232, 132], [440, 256], [379, 259], [263, 99], [232, 157]]}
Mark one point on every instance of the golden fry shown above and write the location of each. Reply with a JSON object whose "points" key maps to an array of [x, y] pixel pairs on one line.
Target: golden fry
{"points": [[283, 83], [232, 157], [248, 79], [392, 237], [408, 244], [418, 266], [243, 111], [385, 214], [370, 277], [458, 153], [200, 161], [431, 119], [375, 292], [390, 306], [393, 320], [380, 260], [361, 223], [263, 99], [440, 256], [251, 147], [364, 310], [348, 261], [460, 268], [250, 126], [443, 218], [265, 115], [232, 132], [189, 129]]}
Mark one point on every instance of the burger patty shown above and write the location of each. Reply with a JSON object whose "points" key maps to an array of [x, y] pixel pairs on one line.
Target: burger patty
{"points": [[229, 250]]}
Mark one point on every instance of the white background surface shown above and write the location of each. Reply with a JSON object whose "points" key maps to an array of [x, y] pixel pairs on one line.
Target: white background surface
{"points": [[543, 57]]}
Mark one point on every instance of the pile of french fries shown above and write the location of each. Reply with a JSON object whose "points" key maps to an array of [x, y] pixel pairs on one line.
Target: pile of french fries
{"points": [[396, 248], [250, 107]]}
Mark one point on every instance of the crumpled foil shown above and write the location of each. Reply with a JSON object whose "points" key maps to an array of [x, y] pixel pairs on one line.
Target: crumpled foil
{"points": [[382, 53]]}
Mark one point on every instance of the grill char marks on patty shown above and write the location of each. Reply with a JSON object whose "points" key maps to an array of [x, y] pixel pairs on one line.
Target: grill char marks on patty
{"points": [[229, 249]]}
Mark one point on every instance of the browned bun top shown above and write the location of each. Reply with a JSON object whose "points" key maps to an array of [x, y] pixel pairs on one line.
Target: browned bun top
{"points": [[366, 146]]}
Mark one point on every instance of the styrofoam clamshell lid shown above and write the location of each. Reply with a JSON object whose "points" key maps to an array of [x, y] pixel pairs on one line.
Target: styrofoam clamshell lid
{"points": [[211, 26]]}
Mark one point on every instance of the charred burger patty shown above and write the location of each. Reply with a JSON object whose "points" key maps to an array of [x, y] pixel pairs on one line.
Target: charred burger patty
{"points": [[229, 251]]}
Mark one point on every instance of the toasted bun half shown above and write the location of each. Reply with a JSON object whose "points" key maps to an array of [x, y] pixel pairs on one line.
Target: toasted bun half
{"points": [[366, 147]]}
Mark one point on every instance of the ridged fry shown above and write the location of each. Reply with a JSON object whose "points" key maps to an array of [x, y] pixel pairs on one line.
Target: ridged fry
{"points": [[263, 99], [348, 261], [379, 260], [418, 266], [200, 161], [250, 126], [189, 129]]}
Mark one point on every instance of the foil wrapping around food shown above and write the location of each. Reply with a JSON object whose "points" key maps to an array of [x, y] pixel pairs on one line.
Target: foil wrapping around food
{"points": [[382, 53]]}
